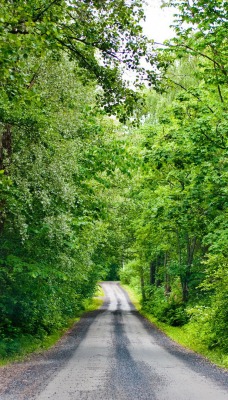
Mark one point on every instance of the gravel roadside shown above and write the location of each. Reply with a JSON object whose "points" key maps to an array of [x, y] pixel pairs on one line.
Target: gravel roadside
{"points": [[23, 380]]}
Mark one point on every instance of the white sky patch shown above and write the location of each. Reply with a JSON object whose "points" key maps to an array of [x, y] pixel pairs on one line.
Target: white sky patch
{"points": [[156, 27], [158, 21]]}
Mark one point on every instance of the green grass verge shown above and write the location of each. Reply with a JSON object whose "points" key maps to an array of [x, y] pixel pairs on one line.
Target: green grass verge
{"points": [[23, 346], [99, 292], [184, 335]]}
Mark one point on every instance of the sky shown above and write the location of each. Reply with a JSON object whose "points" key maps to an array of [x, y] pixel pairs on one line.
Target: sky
{"points": [[156, 27], [158, 21]]}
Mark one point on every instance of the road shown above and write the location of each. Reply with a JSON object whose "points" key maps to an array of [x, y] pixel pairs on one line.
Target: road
{"points": [[118, 355]]}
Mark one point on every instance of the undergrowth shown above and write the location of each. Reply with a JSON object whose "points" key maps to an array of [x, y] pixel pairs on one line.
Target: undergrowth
{"points": [[17, 348]]}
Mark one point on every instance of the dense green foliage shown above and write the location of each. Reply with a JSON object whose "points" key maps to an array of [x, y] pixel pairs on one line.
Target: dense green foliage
{"points": [[54, 213], [179, 192], [85, 198], [60, 155]]}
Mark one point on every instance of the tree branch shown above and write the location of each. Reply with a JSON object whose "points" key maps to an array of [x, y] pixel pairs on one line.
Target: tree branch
{"points": [[44, 10], [188, 91], [195, 51]]}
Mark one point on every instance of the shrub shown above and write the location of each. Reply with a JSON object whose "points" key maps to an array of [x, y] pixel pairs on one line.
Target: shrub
{"points": [[208, 323], [165, 309]]}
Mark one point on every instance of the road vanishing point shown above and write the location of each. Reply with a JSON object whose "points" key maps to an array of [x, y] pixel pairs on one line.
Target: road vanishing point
{"points": [[115, 354]]}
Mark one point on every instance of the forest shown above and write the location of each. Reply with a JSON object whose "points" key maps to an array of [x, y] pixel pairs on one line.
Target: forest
{"points": [[105, 180]]}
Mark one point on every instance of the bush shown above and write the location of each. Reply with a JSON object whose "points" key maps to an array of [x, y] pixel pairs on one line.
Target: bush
{"points": [[209, 323], [164, 309], [220, 322], [128, 275], [9, 347], [174, 314]]}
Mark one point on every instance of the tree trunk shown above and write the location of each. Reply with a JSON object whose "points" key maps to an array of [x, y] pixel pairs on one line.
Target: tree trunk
{"points": [[152, 272], [167, 277], [159, 264], [191, 244]]}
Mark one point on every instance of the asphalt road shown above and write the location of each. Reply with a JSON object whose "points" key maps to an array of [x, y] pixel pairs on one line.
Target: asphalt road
{"points": [[115, 354], [121, 358]]}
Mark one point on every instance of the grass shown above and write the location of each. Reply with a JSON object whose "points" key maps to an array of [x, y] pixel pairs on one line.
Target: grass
{"points": [[17, 349], [99, 292], [184, 335]]}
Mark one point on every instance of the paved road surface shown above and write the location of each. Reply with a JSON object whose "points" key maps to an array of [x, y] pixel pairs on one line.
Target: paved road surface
{"points": [[120, 356]]}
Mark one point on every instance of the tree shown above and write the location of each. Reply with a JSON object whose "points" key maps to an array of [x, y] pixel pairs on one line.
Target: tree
{"points": [[64, 154], [102, 36], [180, 189]]}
